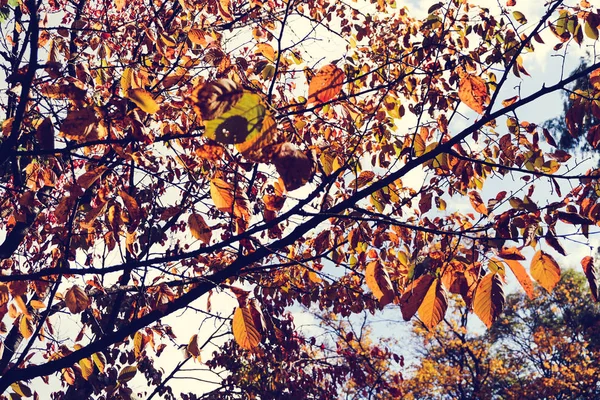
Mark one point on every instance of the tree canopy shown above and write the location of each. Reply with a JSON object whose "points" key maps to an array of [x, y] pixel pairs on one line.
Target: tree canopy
{"points": [[545, 347], [161, 160]]}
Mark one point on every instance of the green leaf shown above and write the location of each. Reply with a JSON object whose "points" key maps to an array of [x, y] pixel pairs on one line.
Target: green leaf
{"points": [[238, 123]]}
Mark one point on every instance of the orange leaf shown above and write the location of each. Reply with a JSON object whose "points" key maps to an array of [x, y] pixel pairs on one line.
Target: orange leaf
{"points": [[26, 326], [477, 203], [511, 253], [326, 84], [434, 305], [591, 273], [545, 270], [200, 230], [221, 193], [489, 299], [76, 300], [522, 276], [244, 331], [473, 91], [413, 295], [379, 282]]}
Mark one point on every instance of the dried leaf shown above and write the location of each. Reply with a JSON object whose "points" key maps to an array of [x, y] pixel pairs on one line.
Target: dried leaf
{"points": [[473, 91], [76, 300], [378, 280], [477, 203], [199, 228], [192, 348], [213, 99], [294, 167], [591, 273]]}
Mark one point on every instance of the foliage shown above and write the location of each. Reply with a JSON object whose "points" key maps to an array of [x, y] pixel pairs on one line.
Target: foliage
{"points": [[158, 157], [545, 347]]}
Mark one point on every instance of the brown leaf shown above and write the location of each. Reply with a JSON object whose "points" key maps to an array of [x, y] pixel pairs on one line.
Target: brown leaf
{"points": [[434, 305], [574, 218], [378, 280], [522, 276], [245, 332], [326, 84], [199, 228], [294, 167], [413, 295], [554, 243], [489, 299], [192, 348], [473, 91], [213, 99], [545, 270], [76, 300], [591, 273], [127, 374]]}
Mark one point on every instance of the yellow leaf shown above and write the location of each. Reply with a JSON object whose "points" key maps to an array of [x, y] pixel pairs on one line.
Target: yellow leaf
{"points": [[434, 305], [244, 331], [99, 360], [489, 299], [21, 389], [192, 348], [25, 326], [266, 50], [126, 80], [87, 368], [138, 342], [200, 230], [36, 304], [143, 99], [76, 300], [545, 270], [379, 282]]}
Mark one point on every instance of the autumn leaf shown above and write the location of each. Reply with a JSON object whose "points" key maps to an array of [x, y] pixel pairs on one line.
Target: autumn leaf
{"points": [[221, 193], [193, 348], [138, 342], [434, 305], [489, 299], [473, 91], [76, 300], [413, 295], [26, 326], [545, 270], [87, 368], [127, 373], [239, 122], [326, 84], [294, 167], [99, 361], [378, 280], [213, 99], [200, 230], [522, 276], [593, 278], [143, 99], [245, 332], [477, 203], [511, 253]]}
